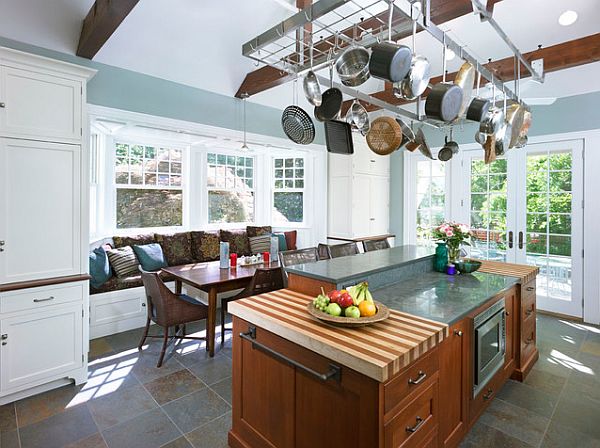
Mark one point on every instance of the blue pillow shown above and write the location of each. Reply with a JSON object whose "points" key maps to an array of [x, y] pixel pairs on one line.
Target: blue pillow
{"points": [[150, 256], [99, 268], [282, 242]]}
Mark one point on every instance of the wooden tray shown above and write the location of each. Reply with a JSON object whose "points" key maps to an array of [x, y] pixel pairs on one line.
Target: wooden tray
{"points": [[382, 313]]}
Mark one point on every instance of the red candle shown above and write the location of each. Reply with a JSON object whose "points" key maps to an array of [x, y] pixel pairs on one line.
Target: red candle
{"points": [[233, 259], [266, 257]]}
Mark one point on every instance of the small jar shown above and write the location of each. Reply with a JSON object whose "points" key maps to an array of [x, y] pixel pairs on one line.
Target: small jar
{"points": [[451, 269]]}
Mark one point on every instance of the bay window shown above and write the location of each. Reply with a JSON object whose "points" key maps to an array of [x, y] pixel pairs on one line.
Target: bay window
{"points": [[288, 190]]}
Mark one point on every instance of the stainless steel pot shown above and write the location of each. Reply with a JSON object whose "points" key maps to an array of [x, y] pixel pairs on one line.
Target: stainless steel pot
{"points": [[353, 66]]}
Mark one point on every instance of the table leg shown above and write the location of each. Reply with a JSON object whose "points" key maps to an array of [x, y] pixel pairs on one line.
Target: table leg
{"points": [[211, 321], [177, 286]]}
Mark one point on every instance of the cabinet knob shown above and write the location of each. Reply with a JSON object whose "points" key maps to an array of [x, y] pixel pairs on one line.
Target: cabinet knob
{"points": [[530, 288], [458, 333], [507, 313], [2, 105], [372, 219], [4, 337]]}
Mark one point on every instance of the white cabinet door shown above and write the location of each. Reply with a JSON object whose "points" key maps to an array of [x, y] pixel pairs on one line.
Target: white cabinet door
{"points": [[39, 210], [361, 208], [340, 210], [39, 106], [366, 161], [40, 346], [379, 205]]}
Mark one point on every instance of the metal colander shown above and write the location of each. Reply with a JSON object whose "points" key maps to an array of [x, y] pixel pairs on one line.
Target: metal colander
{"points": [[298, 125]]}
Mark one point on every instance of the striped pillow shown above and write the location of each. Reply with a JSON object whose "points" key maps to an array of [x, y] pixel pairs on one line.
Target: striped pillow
{"points": [[260, 244], [123, 261]]}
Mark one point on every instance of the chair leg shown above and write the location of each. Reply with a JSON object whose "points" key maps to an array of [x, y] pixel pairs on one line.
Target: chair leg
{"points": [[164, 347], [223, 306], [184, 330], [141, 344]]}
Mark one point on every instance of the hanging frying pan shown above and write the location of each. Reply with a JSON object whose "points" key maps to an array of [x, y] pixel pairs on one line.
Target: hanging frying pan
{"points": [[331, 102], [465, 80]]}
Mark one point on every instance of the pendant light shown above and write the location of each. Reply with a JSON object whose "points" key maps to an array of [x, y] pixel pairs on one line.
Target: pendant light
{"points": [[244, 145]]}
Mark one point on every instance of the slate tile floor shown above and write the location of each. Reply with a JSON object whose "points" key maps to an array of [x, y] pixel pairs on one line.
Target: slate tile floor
{"points": [[128, 403]]}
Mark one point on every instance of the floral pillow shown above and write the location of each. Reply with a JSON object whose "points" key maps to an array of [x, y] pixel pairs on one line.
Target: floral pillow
{"points": [[134, 240], [238, 241], [177, 248], [205, 246], [253, 231]]}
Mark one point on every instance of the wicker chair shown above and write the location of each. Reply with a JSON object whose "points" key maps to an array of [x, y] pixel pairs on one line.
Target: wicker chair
{"points": [[342, 250], [371, 245], [300, 256], [264, 280], [167, 310], [323, 251]]}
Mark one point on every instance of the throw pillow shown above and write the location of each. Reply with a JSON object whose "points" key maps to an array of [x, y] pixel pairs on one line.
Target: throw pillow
{"points": [[123, 261], [260, 244], [176, 247], [253, 231], [238, 241], [290, 239], [282, 242], [151, 256], [133, 240], [99, 267], [205, 246]]}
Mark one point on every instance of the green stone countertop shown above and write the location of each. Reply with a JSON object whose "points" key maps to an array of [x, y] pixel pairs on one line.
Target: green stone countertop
{"points": [[344, 269], [440, 297]]}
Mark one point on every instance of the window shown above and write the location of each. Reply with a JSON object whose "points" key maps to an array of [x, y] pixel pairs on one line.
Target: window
{"points": [[288, 191], [149, 186], [230, 183], [430, 192]]}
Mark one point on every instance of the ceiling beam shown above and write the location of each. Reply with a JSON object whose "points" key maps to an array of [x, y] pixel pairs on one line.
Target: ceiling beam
{"points": [[101, 22], [557, 57], [268, 77]]}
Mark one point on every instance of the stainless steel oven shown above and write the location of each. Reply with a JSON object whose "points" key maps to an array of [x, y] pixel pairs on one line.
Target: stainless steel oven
{"points": [[489, 328]]}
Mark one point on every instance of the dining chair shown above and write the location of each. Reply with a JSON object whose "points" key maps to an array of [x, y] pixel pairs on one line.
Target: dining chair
{"points": [[342, 250], [264, 280], [167, 309], [323, 251], [371, 245], [299, 256]]}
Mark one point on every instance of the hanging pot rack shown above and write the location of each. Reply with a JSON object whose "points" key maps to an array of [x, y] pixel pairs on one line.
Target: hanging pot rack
{"points": [[286, 45]]}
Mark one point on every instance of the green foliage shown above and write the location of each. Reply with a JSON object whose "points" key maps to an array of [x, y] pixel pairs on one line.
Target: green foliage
{"points": [[290, 205], [230, 206], [148, 208]]}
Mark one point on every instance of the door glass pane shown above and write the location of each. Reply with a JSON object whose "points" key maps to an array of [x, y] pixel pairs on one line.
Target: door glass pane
{"points": [[431, 194], [549, 204], [488, 209]]}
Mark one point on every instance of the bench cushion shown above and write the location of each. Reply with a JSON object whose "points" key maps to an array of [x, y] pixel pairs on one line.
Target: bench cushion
{"points": [[238, 241], [177, 248], [205, 246], [122, 241]]}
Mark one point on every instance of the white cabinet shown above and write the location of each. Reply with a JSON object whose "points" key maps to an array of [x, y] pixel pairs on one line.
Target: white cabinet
{"points": [[40, 202], [38, 105], [359, 193]]}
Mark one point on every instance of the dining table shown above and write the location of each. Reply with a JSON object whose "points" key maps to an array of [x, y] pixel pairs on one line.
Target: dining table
{"points": [[212, 279]]}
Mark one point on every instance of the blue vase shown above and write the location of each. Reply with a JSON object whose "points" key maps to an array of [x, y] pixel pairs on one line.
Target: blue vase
{"points": [[441, 257]]}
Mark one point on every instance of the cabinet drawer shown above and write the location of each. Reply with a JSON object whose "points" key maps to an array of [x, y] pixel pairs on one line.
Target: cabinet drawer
{"points": [[528, 291], [413, 424], [485, 397], [411, 380], [527, 308], [527, 339], [35, 298]]}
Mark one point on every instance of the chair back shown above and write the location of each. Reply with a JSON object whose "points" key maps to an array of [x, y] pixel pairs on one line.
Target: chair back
{"points": [[323, 251], [162, 302], [264, 280], [343, 250], [300, 256], [371, 245]]}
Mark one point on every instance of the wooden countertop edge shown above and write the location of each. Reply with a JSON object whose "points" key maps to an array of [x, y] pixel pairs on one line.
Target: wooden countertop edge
{"points": [[380, 373], [43, 282], [523, 272]]}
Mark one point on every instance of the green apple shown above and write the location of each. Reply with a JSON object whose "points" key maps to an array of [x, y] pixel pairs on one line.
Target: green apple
{"points": [[334, 309], [352, 311]]}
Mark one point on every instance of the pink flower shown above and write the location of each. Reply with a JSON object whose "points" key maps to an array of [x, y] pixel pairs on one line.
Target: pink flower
{"points": [[449, 233]]}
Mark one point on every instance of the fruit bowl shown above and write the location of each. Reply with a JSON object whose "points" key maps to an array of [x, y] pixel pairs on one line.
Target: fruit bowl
{"points": [[467, 265], [382, 313]]}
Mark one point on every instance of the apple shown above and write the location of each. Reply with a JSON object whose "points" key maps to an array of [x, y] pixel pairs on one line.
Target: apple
{"points": [[334, 295], [334, 309], [352, 311], [345, 300]]}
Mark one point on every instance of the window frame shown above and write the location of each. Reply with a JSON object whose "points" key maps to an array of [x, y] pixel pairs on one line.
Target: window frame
{"points": [[303, 190]]}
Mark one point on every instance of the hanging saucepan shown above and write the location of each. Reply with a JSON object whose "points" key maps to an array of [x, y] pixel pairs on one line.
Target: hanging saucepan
{"points": [[449, 149], [385, 136], [390, 61], [522, 140], [503, 137], [417, 79], [479, 107], [407, 134], [353, 66], [312, 89], [331, 102], [357, 116], [465, 80], [515, 115], [489, 148]]}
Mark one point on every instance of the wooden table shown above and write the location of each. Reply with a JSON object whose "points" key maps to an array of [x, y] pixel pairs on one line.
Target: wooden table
{"points": [[210, 278]]}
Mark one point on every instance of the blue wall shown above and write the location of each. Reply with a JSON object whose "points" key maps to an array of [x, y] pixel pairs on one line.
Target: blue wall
{"points": [[128, 90], [569, 114]]}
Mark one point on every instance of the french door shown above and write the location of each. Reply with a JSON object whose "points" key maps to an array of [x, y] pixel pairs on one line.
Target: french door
{"points": [[527, 208]]}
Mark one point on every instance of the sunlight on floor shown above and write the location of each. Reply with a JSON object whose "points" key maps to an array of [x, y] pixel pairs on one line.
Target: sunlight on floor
{"points": [[580, 326], [559, 358]]}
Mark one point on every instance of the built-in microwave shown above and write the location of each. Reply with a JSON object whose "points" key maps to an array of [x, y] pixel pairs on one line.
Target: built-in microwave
{"points": [[489, 336]]}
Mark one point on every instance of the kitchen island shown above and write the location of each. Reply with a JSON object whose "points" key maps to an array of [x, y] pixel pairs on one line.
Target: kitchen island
{"points": [[406, 381]]}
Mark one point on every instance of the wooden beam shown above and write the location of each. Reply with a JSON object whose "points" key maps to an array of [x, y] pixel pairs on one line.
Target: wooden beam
{"points": [[102, 20], [557, 57], [266, 77]]}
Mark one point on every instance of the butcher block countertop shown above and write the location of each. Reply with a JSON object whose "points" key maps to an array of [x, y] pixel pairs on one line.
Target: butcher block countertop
{"points": [[378, 351], [523, 272]]}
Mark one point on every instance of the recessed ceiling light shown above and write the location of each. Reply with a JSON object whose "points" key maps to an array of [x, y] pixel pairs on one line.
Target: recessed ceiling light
{"points": [[449, 54], [567, 18]]}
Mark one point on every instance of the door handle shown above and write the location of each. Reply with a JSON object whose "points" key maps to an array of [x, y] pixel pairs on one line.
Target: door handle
{"points": [[520, 240], [510, 239]]}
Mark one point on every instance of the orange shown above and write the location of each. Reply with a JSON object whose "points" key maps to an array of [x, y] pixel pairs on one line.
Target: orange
{"points": [[367, 308]]}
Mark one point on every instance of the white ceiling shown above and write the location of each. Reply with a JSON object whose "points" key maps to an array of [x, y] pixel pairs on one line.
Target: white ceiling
{"points": [[198, 43]]}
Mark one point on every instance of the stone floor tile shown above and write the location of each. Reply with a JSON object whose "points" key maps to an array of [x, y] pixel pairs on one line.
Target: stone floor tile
{"points": [[212, 434], [196, 409], [181, 442], [145, 368], [99, 348], [121, 406], [8, 417], [545, 382], [150, 430], [59, 430], [591, 347], [558, 362], [223, 388], [579, 413], [10, 439], [484, 436], [173, 386], [528, 398], [42, 406], [125, 340], [93, 441], [561, 436], [212, 370], [515, 421]]}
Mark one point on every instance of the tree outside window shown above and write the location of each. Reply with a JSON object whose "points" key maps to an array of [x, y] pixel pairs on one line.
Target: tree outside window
{"points": [[288, 190]]}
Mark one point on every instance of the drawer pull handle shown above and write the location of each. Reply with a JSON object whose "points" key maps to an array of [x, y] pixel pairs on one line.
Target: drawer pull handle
{"points": [[488, 394], [458, 333], [530, 288], [529, 340], [334, 372], [47, 299], [529, 312], [420, 422], [419, 380]]}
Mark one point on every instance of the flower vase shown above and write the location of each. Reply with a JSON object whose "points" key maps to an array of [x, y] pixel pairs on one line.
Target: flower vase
{"points": [[441, 257], [453, 253]]}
